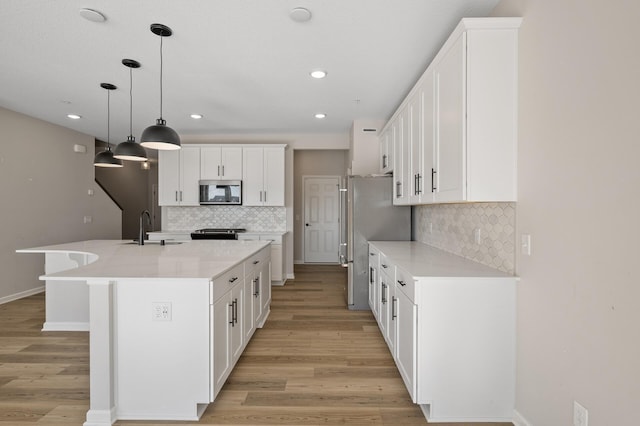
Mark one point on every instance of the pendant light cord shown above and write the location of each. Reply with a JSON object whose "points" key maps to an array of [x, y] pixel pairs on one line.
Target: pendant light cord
{"points": [[108, 119], [130, 101], [161, 37]]}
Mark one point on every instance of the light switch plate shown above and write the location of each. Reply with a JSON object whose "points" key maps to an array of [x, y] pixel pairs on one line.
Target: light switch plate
{"points": [[525, 244]]}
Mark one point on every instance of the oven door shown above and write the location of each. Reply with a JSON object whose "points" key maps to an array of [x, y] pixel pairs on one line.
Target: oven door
{"points": [[220, 192]]}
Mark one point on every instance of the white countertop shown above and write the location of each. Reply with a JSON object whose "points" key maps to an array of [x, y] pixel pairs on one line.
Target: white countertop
{"points": [[424, 261], [117, 259]]}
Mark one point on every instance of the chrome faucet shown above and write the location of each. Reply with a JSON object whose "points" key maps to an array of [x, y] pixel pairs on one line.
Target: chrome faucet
{"points": [[141, 234]]}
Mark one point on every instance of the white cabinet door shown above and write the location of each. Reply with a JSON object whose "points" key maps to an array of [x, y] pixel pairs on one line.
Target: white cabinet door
{"points": [[237, 332], [428, 138], [263, 176], [189, 176], [386, 150], [265, 291], [450, 78], [374, 282], [222, 318], [401, 159], [392, 322], [406, 322], [415, 175], [231, 162], [169, 178], [250, 307], [178, 175], [273, 177], [221, 162], [385, 282]]}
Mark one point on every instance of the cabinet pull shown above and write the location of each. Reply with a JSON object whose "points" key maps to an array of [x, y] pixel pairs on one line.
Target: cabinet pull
{"points": [[176, 196], [433, 180], [235, 310], [384, 161], [402, 283], [415, 184], [398, 189], [231, 322], [384, 293], [384, 266], [223, 170], [231, 280], [260, 196], [419, 186], [256, 286], [265, 196], [393, 308], [218, 170], [371, 275], [180, 196], [255, 262]]}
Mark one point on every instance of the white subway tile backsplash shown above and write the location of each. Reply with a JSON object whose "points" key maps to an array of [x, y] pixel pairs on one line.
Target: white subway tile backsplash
{"points": [[255, 219], [454, 226]]}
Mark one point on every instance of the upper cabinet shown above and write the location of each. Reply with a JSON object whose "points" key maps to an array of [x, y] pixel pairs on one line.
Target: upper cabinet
{"points": [[386, 150], [263, 177], [178, 175], [461, 118], [221, 162]]}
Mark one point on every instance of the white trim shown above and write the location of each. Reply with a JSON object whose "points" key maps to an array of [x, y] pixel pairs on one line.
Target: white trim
{"points": [[16, 296], [304, 208], [291, 276], [65, 326], [100, 417], [519, 420]]}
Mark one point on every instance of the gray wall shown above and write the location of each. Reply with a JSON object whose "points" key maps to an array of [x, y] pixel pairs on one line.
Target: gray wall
{"points": [[578, 316], [311, 162], [44, 188]]}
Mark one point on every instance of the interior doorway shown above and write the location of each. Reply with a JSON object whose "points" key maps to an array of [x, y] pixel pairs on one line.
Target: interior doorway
{"points": [[321, 218]]}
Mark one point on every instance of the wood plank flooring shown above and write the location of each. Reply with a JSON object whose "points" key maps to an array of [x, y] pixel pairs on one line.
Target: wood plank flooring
{"points": [[313, 363]]}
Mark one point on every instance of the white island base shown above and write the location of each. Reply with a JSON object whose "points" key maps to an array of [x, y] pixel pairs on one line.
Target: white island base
{"points": [[166, 323]]}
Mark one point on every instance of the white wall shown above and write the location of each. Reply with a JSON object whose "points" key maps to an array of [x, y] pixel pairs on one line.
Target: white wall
{"points": [[43, 187], [578, 178]]}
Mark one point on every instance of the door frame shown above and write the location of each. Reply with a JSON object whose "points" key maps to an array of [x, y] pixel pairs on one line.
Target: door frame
{"points": [[304, 212]]}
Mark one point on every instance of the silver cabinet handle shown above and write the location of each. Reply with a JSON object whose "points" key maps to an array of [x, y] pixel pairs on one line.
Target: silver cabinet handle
{"points": [[384, 266], [231, 280], [176, 195], [393, 308], [384, 293], [371, 276], [235, 311], [255, 262], [384, 161], [265, 196], [223, 170], [218, 170], [433, 180], [398, 189], [260, 196], [402, 283], [180, 196], [231, 322]]}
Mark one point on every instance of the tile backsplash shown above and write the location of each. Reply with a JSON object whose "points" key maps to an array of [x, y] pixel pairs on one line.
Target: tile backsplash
{"points": [[256, 219], [453, 228]]}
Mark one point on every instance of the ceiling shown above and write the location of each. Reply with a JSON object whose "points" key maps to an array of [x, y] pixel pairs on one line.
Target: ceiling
{"points": [[243, 64]]}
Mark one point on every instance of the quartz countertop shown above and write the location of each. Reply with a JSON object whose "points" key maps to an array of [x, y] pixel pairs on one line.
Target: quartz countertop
{"points": [[118, 259], [424, 261]]}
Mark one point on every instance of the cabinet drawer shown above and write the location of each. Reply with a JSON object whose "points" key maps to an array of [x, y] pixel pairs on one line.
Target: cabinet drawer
{"points": [[386, 266], [406, 283], [256, 261], [374, 256], [224, 283]]}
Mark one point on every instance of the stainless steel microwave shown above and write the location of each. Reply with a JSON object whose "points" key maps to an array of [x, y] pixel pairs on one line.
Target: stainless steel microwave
{"points": [[220, 192]]}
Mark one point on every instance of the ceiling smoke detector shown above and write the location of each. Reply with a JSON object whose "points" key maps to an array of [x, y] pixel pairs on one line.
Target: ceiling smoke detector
{"points": [[300, 14]]}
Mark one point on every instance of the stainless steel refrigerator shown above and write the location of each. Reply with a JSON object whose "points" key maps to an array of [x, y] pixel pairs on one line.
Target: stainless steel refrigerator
{"points": [[368, 215]]}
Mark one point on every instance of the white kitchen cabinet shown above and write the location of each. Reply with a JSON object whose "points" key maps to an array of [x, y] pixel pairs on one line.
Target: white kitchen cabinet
{"points": [[221, 162], [228, 319], [386, 150], [263, 175], [277, 250], [374, 281], [385, 281], [178, 176], [454, 325], [468, 142], [401, 159]]}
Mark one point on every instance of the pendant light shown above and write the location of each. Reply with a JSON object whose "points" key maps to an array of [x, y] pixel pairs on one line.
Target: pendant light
{"points": [[130, 149], [105, 158], [160, 136]]}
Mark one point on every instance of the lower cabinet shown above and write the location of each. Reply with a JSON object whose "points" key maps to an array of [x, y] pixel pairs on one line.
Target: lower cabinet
{"points": [[242, 299], [451, 332], [277, 257]]}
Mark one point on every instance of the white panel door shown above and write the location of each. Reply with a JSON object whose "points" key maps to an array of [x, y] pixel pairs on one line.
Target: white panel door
{"points": [[322, 222]]}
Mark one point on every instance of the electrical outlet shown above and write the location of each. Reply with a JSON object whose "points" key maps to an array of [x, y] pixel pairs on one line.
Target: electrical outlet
{"points": [[525, 244], [477, 235], [161, 311], [580, 415]]}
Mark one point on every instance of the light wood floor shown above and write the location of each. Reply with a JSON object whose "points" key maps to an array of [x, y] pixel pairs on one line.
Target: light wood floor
{"points": [[313, 363]]}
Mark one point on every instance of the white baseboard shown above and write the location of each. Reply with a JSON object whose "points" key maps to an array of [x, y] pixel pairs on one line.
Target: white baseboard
{"points": [[291, 276], [65, 326], [519, 420], [16, 296], [298, 262]]}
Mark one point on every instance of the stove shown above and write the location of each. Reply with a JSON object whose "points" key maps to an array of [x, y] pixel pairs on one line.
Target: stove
{"points": [[216, 233]]}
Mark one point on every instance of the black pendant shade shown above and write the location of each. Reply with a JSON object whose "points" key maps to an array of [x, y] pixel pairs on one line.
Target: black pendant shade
{"points": [[130, 150], [160, 136], [105, 158]]}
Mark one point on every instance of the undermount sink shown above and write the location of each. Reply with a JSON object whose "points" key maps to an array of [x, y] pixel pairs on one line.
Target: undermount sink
{"points": [[147, 242]]}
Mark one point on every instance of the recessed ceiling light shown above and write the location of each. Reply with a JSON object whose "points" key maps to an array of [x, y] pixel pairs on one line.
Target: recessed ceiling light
{"points": [[318, 74], [74, 116], [300, 14], [320, 115], [196, 116], [92, 15]]}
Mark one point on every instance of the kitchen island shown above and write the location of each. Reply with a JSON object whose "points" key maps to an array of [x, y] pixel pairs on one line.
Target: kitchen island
{"points": [[167, 322]]}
